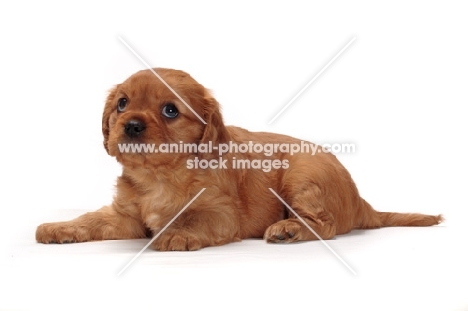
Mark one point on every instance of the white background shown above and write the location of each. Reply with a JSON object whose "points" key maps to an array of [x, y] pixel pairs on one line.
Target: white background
{"points": [[398, 93]]}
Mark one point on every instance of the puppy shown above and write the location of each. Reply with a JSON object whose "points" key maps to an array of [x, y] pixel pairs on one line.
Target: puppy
{"points": [[237, 203]]}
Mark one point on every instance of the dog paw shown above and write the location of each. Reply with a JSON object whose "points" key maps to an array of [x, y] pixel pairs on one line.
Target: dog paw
{"points": [[177, 240], [284, 231], [59, 233]]}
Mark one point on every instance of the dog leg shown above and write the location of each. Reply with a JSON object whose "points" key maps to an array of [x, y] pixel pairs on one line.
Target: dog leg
{"points": [[199, 229], [103, 224], [309, 206]]}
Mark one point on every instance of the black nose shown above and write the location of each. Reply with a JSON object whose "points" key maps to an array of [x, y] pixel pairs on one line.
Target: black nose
{"points": [[134, 128]]}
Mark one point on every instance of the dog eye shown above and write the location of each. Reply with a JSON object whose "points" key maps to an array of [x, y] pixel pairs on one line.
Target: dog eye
{"points": [[121, 104], [170, 111]]}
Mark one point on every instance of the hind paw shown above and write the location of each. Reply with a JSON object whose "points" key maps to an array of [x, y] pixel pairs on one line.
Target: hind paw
{"points": [[284, 231]]}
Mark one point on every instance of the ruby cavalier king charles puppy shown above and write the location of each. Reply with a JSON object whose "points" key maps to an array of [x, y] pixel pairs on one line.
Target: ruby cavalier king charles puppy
{"points": [[237, 203]]}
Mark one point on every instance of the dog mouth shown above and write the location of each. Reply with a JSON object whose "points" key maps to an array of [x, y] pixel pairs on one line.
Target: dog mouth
{"points": [[137, 139]]}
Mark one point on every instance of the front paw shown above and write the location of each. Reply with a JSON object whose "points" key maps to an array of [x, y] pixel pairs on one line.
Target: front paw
{"points": [[60, 232], [177, 240]]}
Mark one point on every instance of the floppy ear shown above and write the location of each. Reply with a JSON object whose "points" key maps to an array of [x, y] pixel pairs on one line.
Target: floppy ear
{"points": [[108, 109], [214, 131]]}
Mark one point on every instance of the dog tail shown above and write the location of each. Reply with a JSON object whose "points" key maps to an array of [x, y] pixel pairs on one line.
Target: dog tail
{"points": [[408, 219], [387, 219]]}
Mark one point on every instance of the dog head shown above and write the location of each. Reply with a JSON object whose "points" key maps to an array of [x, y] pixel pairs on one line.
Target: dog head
{"points": [[144, 111]]}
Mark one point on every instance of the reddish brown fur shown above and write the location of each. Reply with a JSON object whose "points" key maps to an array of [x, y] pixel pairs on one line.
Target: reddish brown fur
{"points": [[236, 204]]}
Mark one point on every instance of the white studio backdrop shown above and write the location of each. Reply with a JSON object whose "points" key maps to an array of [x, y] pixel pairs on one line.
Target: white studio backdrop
{"points": [[398, 92]]}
